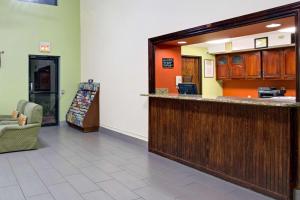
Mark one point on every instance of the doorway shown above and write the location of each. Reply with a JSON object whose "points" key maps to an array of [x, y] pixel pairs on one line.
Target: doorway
{"points": [[191, 71], [44, 86]]}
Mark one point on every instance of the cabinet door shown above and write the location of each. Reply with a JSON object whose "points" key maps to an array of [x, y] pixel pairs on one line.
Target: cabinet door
{"points": [[253, 65], [222, 67], [237, 67], [289, 64], [272, 64]]}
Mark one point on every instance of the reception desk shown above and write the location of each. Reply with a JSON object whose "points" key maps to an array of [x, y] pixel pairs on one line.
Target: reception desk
{"points": [[250, 142]]}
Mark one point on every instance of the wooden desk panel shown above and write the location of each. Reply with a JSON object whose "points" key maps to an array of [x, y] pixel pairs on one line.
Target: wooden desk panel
{"points": [[253, 146]]}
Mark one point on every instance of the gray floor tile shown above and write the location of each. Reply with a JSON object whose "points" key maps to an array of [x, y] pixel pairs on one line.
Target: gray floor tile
{"points": [[98, 195], [78, 162], [82, 184], [95, 174], [117, 190], [37, 161], [24, 169], [244, 194], [149, 193], [17, 158], [107, 167], [122, 170], [50, 176], [11, 193], [32, 185], [63, 166], [41, 197], [7, 177], [64, 191], [128, 180]]}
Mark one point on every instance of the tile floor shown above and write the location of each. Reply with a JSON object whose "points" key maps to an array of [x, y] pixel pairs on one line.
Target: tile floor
{"points": [[76, 166]]}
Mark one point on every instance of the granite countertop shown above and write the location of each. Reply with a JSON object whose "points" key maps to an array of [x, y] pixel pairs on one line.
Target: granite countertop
{"points": [[277, 102]]}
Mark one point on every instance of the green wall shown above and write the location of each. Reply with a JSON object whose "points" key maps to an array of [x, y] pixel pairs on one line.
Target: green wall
{"points": [[22, 27], [210, 87]]}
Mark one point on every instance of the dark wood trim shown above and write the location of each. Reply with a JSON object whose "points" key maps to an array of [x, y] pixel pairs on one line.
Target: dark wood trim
{"points": [[258, 17], [200, 69], [297, 44], [151, 63]]}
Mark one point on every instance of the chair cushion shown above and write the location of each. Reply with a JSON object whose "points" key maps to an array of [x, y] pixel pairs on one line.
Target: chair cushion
{"points": [[22, 120]]}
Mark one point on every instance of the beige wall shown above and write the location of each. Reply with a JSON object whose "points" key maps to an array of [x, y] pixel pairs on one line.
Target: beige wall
{"points": [[114, 48]]}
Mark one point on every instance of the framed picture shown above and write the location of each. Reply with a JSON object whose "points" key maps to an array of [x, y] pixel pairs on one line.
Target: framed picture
{"points": [[261, 43], [209, 68]]}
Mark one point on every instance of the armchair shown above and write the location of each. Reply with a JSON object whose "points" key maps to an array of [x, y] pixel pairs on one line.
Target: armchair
{"points": [[18, 138], [20, 108]]}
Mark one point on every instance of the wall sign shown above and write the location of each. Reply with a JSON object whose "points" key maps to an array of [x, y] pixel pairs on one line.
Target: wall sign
{"points": [[168, 63]]}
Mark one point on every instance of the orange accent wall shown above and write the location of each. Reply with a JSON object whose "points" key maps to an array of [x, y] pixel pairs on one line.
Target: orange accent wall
{"points": [[245, 88], [166, 78]]}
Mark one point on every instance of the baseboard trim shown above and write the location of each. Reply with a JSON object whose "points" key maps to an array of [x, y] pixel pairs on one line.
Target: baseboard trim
{"points": [[128, 133], [124, 137], [128, 137]]}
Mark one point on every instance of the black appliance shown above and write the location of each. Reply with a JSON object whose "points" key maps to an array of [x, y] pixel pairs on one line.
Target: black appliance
{"points": [[269, 92], [187, 88]]}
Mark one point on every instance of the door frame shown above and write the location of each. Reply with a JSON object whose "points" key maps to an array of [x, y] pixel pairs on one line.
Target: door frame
{"points": [[57, 99], [289, 10], [200, 70]]}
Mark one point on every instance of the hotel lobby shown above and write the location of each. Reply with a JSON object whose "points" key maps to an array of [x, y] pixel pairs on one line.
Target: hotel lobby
{"points": [[149, 100]]}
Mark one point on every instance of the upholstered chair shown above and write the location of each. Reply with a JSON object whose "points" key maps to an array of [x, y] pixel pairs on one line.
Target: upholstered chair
{"points": [[20, 108], [14, 137]]}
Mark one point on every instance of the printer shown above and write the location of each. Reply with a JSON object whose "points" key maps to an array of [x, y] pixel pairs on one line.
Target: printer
{"points": [[269, 92]]}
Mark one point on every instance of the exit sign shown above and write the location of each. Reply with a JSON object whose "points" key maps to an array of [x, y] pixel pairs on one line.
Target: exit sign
{"points": [[45, 47]]}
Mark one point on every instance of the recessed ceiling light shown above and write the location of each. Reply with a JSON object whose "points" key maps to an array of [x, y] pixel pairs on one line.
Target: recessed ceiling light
{"points": [[221, 41], [182, 42], [288, 30], [273, 25]]}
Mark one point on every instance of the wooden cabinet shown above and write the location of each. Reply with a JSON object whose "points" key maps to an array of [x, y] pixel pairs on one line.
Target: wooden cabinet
{"points": [[253, 65], [237, 66], [222, 67], [272, 64], [289, 64]]}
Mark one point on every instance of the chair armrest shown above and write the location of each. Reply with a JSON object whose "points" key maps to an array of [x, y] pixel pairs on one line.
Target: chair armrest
{"points": [[5, 116], [9, 123], [6, 128]]}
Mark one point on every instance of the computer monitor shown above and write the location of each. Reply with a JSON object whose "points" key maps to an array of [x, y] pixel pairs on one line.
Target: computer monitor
{"points": [[187, 88]]}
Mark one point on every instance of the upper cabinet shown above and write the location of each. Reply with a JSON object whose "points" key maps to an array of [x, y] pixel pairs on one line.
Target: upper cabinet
{"points": [[237, 66], [222, 67], [289, 64], [253, 65], [273, 64]]}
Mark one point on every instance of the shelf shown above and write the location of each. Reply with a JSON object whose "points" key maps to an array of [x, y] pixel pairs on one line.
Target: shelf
{"points": [[84, 110]]}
